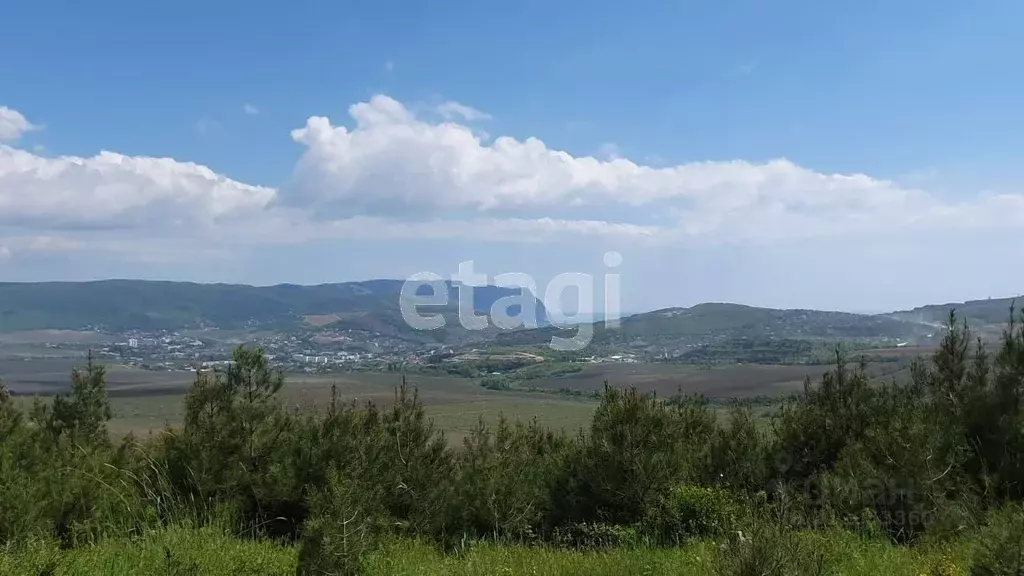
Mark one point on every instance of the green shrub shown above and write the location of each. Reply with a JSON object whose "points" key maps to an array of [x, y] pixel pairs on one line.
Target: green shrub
{"points": [[1000, 550], [691, 512], [503, 478], [343, 528], [595, 536], [771, 550], [637, 449], [738, 457]]}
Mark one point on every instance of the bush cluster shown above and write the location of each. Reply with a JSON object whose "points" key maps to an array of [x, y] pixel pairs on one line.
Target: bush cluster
{"points": [[935, 457]]}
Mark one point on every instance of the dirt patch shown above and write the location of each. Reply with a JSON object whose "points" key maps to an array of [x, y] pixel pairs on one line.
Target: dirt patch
{"points": [[319, 320]]}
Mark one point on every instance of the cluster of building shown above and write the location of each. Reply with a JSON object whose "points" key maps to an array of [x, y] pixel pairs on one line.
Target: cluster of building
{"points": [[293, 352]]}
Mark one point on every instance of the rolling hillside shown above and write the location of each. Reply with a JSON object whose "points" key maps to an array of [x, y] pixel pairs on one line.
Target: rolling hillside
{"points": [[374, 306], [717, 322], [992, 312], [118, 305]]}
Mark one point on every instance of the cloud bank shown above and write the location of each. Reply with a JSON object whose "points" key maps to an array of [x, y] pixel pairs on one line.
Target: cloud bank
{"points": [[387, 173]]}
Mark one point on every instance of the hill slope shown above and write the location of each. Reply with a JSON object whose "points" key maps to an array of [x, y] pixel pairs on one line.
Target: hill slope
{"points": [[992, 312], [119, 305], [717, 322]]}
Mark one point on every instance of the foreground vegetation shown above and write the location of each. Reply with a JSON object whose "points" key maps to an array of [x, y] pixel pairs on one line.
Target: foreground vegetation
{"points": [[924, 477], [215, 552]]}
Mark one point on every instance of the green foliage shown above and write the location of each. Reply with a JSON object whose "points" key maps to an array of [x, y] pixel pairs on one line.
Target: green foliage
{"points": [[813, 431], [771, 550], [80, 417], [594, 536], [1001, 544], [637, 448], [503, 482], [738, 457], [343, 529], [691, 512]]}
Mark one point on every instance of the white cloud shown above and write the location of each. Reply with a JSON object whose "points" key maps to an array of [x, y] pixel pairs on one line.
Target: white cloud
{"points": [[250, 109], [392, 175], [114, 190], [5, 253], [282, 227], [391, 163], [453, 110], [13, 125]]}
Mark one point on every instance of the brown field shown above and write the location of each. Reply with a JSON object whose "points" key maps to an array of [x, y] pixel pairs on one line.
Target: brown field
{"points": [[318, 320], [667, 379]]}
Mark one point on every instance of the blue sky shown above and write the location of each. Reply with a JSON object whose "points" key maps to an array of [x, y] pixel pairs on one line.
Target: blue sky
{"points": [[802, 154]]}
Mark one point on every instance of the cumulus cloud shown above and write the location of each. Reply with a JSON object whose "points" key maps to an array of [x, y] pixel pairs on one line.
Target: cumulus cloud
{"points": [[13, 125], [112, 190], [390, 174], [392, 164]]}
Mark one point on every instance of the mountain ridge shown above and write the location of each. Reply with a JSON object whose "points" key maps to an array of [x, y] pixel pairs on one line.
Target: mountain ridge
{"points": [[374, 306], [120, 304]]}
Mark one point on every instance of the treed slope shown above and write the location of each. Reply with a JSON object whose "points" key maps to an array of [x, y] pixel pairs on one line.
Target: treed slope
{"points": [[719, 321], [988, 312], [151, 305]]}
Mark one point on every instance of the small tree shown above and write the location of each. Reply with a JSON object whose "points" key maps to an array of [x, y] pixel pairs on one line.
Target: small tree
{"points": [[80, 416], [813, 431], [638, 449], [233, 424]]}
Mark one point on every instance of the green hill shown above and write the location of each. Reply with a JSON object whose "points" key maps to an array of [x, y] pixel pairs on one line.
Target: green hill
{"points": [[374, 306], [992, 312], [119, 305], [717, 322]]}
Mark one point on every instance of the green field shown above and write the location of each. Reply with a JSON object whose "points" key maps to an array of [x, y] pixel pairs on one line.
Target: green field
{"points": [[144, 400], [455, 404]]}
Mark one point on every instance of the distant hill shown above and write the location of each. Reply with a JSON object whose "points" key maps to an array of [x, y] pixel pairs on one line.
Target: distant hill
{"points": [[716, 322], [121, 305], [374, 306], [992, 312]]}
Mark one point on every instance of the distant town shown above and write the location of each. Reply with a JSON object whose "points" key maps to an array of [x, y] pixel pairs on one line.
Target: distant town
{"points": [[319, 352]]}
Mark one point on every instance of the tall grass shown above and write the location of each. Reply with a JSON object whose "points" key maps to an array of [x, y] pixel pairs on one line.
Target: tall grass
{"points": [[215, 552]]}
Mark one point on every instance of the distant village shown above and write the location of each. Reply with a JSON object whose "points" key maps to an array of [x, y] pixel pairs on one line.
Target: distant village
{"points": [[319, 352]]}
